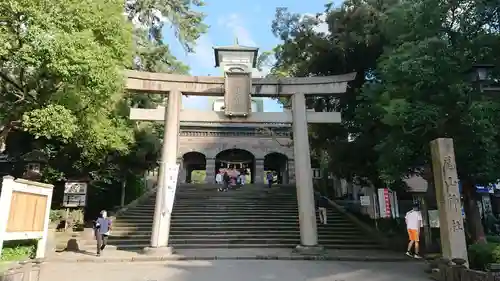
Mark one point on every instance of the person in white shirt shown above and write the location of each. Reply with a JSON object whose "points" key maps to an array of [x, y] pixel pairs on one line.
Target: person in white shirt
{"points": [[242, 179], [218, 178], [413, 221]]}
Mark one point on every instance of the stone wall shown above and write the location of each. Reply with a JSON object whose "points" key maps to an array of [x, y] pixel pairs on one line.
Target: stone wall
{"points": [[444, 271], [211, 146]]}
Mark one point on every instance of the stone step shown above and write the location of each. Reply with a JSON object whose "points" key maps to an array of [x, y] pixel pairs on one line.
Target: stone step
{"points": [[234, 223], [136, 247], [272, 223], [227, 218], [229, 197], [235, 207], [228, 215], [249, 230], [230, 204], [261, 236], [224, 240], [178, 212], [225, 209], [233, 229], [248, 217], [277, 245], [321, 231]]}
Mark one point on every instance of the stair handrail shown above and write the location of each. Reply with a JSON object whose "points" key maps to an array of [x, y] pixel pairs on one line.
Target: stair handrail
{"points": [[135, 202], [364, 226]]}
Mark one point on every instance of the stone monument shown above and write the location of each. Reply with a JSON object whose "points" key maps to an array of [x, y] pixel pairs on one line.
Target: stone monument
{"points": [[448, 198]]}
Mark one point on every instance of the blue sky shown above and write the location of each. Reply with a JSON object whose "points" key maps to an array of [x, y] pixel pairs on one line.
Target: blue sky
{"points": [[249, 21]]}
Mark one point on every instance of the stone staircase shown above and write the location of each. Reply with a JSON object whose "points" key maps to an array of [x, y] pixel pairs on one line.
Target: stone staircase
{"points": [[249, 217]]}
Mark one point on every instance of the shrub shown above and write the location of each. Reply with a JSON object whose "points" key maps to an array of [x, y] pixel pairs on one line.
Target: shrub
{"points": [[56, 216], [493, 239], [18, 250], [75, 218], [480, 255]]}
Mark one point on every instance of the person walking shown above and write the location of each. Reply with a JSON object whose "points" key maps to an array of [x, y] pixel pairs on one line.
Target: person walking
{"points": [[218, 178], [270, 178], [226, 179], [413, 220], [102, 229], [321, 205], [242, 177]]}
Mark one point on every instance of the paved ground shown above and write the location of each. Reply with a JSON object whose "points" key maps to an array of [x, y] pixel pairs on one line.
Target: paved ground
{"points": [[112, 255], [234, 270]]}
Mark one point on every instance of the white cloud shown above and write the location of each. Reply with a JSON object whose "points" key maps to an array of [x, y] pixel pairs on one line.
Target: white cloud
{"points": [[234, 23], [203, 53]]}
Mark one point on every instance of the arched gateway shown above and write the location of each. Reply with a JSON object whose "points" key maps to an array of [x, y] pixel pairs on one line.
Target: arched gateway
{"points": [[238, 91], [235, 158]]}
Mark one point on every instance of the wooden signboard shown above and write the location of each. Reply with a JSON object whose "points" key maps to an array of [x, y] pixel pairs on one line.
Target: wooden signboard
{"points": [[75, 194], [24, 211]]}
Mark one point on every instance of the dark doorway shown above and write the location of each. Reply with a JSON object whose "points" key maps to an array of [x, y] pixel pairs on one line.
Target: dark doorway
{"points": [[194, 162], [278, 163]]}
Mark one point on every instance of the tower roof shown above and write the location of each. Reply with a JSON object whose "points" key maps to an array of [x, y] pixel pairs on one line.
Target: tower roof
{"points": [[236, 48]]}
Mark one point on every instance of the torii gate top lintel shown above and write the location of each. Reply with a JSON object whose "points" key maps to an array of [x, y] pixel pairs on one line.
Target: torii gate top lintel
{"points": [[141, 81], [237, 86]]}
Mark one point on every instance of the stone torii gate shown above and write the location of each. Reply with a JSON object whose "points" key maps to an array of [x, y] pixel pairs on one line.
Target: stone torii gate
{"points": [[237, 86]]}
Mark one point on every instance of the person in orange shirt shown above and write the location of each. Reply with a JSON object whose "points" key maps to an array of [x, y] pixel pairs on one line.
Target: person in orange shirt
{"points": [[413, 221]]}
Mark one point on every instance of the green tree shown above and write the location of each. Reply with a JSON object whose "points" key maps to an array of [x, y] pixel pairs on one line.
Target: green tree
{"points": [[412, 59], [61, 71], [354, 42], [151, 53], [151, 18], [425, 93]]}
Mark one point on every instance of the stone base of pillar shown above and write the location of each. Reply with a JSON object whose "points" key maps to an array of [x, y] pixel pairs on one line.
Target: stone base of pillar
{"points": [[309, 250], [158, 251]]}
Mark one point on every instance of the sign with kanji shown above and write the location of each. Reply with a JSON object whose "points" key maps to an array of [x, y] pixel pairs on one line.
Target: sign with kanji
{"points": [[75, 194], [171, 175], [238, 86]]}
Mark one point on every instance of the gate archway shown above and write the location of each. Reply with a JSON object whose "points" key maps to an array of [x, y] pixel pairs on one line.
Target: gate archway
{"points": [[194, 163], [278, 163], [238, 159]]}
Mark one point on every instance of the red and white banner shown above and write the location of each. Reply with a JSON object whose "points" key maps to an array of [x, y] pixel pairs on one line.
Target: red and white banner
{"points": [[384, 203]]}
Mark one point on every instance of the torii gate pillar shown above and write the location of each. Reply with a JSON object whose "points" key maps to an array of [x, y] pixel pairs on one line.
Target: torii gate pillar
{"points": [[303, 175], [161, 221]]}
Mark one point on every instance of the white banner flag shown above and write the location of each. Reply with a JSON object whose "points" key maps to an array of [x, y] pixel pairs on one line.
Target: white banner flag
{"points": [[170, 186]]}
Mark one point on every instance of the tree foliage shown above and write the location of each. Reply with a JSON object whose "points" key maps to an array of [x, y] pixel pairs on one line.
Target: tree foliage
{"points": [[412, 60], [60, 71], [151, 19], [61, 82]]}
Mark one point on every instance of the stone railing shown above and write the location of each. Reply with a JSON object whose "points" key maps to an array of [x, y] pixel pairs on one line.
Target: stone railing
{"points": [[22, 271], [444, 270]]}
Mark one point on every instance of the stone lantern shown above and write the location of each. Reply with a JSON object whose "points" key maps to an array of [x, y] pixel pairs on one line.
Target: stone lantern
{"points": [[34, 162], [481, 76], [237, 63]]}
